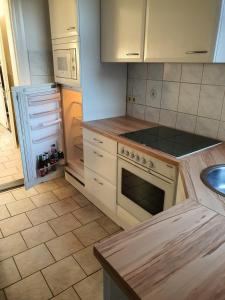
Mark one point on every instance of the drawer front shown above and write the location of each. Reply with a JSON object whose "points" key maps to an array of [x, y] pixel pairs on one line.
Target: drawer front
{"points": [[101, 162], [100, 141], [100, 189]]}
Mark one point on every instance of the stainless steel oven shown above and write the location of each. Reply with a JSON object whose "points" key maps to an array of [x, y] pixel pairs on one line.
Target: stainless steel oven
{"points": [[146, 186]]}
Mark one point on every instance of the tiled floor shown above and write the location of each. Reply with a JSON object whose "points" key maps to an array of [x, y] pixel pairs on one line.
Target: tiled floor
{"points": [[10, 159], [46, 244]]}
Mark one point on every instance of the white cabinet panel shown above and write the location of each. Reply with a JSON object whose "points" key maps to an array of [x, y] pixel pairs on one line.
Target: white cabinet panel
{"points": [[181, 30], [63, 17], [122, 29]]}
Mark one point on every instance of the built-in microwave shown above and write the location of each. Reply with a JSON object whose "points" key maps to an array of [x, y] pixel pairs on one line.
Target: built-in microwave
{"points": [[66, 63]]}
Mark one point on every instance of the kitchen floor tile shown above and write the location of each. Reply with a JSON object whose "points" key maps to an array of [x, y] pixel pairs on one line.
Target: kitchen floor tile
{"points": [[20, 206], [108, 225], [8, 273], [64, 224], [11, 245], [6, 198], [91, 287], [44, 199], [21, 193], [2, 295], [61, 182], [38, 235], [4, 213], [69, 294], [33, 260], [87, 214], [87, 260], [46, 187], [41, 215], [65, 206], [33, 287], [81, 200], [65, 192], [90, 233], [63, 275], [64, 246], [14, 224]]}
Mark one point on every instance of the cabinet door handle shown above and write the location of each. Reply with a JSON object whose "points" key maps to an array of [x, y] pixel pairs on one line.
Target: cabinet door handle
{"points": [[96, 153], [71, 28], [197, 52], [132, 54], [98, 141], [99, 182]]}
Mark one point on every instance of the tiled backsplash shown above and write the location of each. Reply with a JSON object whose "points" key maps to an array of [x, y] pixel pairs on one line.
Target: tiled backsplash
{"points": [[190, 97]]}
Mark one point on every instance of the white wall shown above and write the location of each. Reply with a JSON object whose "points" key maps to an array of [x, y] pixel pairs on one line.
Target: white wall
{"points": [[38, 40]]}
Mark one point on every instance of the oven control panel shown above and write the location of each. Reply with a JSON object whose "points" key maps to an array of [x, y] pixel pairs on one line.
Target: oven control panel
{"points": [[147, 161]]}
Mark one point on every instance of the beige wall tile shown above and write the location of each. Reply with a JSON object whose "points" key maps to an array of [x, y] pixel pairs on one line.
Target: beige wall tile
{"points": [[155, 71], [152, 114], [87, 214], [8, 273], [64, 245], [168, 118], [170, 95], [65, 206], [186, 122], [63, 274], [91, 287], [33, 287], [41, 215], [14, 224], [207, 127], [90, 233], [192, 73], [44, 199], [139, 111], [33, 260], [154, 93], [38, 235], [172, 72], [20, 206], [64, 224], [214, 74], [11, 245], [189, 98]]}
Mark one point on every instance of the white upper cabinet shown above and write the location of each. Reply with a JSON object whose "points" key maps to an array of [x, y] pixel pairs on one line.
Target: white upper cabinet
{"points": [[181, 30], [64, 18], [122, 30]]}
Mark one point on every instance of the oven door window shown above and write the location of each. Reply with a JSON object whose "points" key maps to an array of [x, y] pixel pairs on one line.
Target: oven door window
{"points": [[141, 192], [62, 63]]}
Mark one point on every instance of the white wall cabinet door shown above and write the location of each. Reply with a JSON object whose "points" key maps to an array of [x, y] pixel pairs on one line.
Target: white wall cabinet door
{"points": [[64, 18], [122, 30], [181, 30]]}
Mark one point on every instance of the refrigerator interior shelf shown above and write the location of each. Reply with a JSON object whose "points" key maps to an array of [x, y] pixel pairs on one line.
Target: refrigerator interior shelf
{"points": [[46, 113], [46, 138], [46, 124]]}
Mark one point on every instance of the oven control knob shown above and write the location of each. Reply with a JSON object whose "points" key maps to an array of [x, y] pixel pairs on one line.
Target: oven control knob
{"points": [[143, 161], [150, 164], [132, 155], [127, 153], [122, 151], [137, 158]]}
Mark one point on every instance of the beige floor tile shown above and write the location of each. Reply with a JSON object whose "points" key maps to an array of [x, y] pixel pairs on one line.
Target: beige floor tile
{"points": [[90, 233], [108, 225], [33, 260], [41, 215], [87, 260], [33, 287], [2, 295], [20, 206], [1, 236], [63, 274], [64, 224], [38, 234], [46, 187], [65, 206], [69, 294], [8, 273], [6, 198], [11, 245], [64, 246], [14, 224], [44, 199], [81, 200], [91, 288], [87, 214], [21, 193], [61, 182], [65, 192], [4, 213]]}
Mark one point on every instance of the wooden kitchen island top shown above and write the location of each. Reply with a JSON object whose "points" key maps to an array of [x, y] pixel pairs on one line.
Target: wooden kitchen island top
{"points": [[179, 253]]}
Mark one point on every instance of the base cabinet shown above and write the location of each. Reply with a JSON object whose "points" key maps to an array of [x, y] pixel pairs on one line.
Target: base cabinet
{"points": [[111, 290]]}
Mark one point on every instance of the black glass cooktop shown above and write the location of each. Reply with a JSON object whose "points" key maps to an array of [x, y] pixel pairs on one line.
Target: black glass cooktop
{"points": [[172, 141]]}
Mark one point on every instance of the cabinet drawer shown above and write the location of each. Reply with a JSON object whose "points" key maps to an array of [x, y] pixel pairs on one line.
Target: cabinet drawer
{"points": [[100, 141], [100, 189], [101, 162]]}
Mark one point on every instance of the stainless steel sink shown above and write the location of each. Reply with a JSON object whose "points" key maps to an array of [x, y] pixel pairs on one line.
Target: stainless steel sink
{"points": [[214, 178]]}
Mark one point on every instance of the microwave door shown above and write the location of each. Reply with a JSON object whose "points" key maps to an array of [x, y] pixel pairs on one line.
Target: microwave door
{"points": [[39, 125]]}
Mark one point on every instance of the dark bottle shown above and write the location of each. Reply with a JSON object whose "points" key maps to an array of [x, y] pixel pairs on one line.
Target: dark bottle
{"points": [[41, 170], [45, 164], [60, 154], [48, 161]]}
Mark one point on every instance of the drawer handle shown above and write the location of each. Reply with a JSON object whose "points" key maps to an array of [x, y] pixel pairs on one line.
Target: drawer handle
{"points": [[98, 141], [96, 153], [197, 52], [99, 182], [71, 28], [132, 54]]}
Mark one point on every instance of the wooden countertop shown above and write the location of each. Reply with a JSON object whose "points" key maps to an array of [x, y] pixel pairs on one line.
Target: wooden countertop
{"points": [[179, 253]]}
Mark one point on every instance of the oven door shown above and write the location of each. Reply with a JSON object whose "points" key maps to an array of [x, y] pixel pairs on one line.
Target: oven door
{"points": [[142, 193]]}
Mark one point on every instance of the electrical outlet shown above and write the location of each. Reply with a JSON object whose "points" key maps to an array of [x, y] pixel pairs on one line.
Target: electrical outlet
{"points": [[129, 99], [134, 99]]}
